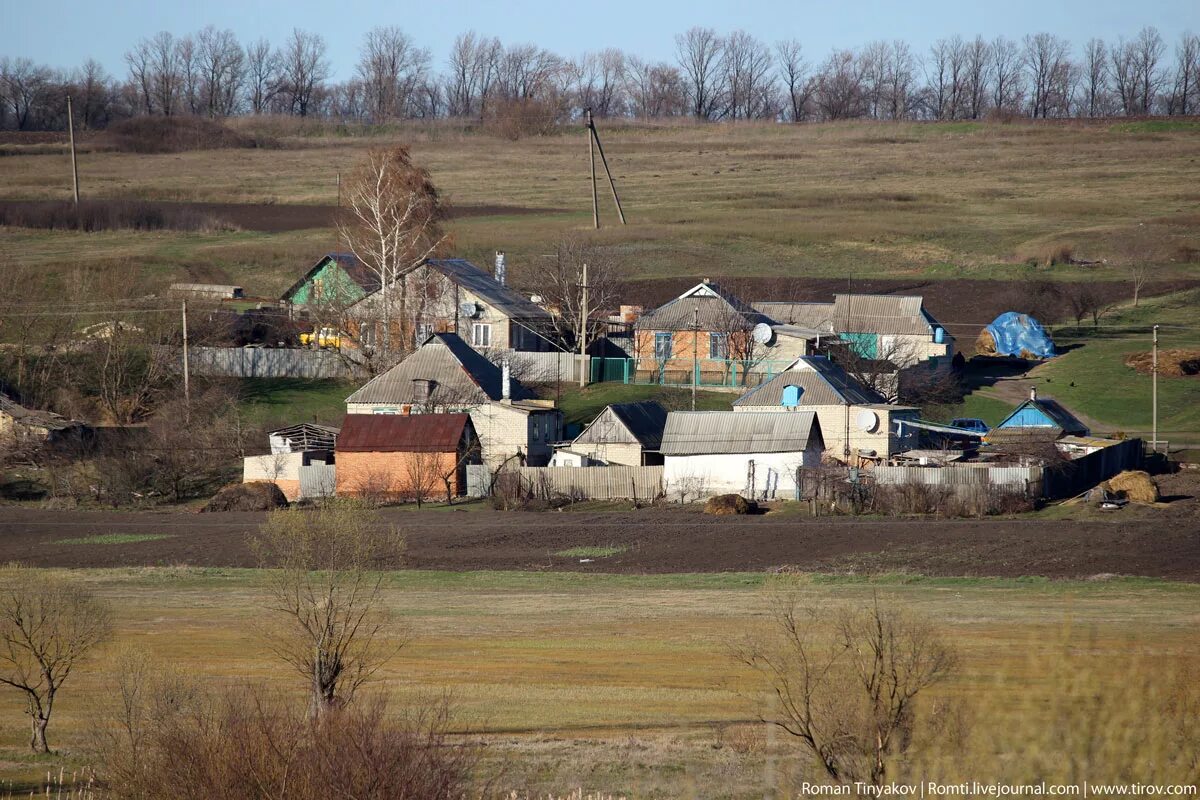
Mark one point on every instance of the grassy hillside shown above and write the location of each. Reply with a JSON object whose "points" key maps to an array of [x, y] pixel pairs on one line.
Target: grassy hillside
{"points": [[906, 200]]}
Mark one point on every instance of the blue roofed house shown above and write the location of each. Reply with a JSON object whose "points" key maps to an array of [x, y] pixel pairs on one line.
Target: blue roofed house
{"points": [[1038, 418]]}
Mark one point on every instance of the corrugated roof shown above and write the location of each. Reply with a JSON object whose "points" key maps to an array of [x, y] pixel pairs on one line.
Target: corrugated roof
{"points": [[881, 313], [402, 433], [483, 284], [717, 432], [29, 416], [644, 421], [817, 316], [719, 310], [1064, 421], [460, 376], [308, 436], [823, 382]]}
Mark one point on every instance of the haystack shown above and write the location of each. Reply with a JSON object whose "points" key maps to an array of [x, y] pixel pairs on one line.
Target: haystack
{"points": [[1135, 485], [723, 505], [1172, 362], [254, 496]]}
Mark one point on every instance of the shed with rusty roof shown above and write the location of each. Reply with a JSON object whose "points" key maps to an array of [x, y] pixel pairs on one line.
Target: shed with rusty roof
{"points": [[400, 457]]}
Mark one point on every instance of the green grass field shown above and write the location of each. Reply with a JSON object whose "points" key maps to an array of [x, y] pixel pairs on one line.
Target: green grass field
{"points": [[620, 683], [969, 200]]}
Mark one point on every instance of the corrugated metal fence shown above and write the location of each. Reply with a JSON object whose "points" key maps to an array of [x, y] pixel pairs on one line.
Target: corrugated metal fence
{"points": [[268, 362], [585, 483], [960, 475], [318, 480]]}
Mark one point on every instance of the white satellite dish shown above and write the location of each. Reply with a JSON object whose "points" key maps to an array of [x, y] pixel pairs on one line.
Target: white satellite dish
{"points": [[868, 420], [469, 309], [763, 333]]}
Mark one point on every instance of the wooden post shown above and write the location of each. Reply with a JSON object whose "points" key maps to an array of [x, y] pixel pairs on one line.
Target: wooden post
{"points": [[604, 161], [592, 161], [695, 352], [74, 162], [1154, 391], [187, 393], [583, 326]]}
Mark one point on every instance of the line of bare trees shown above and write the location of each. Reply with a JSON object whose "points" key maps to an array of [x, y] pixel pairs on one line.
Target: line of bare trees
{"points": [[713, 76]]}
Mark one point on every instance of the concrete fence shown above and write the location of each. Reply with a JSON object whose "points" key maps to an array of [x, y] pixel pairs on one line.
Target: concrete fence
{"points": [[585, 483], [269, 362]]}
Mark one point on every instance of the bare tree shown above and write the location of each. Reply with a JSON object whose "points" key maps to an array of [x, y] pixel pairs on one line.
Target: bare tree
{"points": [[391, 225], [1045, 57], [845, 682], [391, 67], [325, 587], [25, 85], [222, 66], [654, 89], [1007, 89], [1095, 77], [304, 69], [978, 66], [839, 86], [698, 52], [899, 76], [262, 75], [794, 72], [559, 279], [1187, 75], [48, 626], [473, 64], [598, 82], [746, 74]]}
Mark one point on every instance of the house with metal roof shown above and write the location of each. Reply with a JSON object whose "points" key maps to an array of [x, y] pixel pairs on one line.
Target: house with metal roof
{"points": [[896, 328], [338, 278], [1038, 418], [300, 461], [452, 295], [857, 425], [395, 457], [21, 425], [446, 375], [627, 434], [757, 455]]}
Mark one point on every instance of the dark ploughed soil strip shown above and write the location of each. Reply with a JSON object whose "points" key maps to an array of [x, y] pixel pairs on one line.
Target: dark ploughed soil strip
{"points": [[280, 218], [656, 541]]}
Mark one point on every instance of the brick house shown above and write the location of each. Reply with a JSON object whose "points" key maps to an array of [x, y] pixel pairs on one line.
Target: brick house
{"points": [[395, 457]]}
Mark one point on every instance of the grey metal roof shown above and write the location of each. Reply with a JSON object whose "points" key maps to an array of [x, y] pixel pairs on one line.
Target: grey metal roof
{"points": [[29, 416], [483, 284], [823, 382], [642, 422], [817, 316], [717, 432], [718, 310], [460, 376]]}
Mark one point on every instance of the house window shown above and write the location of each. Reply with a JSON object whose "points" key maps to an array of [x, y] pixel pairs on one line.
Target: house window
{"points": [[662, 346], [718, 345], [367, 335], [481, 335], [424, 330]]}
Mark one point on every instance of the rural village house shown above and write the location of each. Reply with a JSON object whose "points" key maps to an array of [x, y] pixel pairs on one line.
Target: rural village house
{"points": [[21, 425], [1038, 418], [338, 278], [623, 434], [894, 328], [757, 455], [446, 375], [399, 457], [856, 424], [301, 461]]}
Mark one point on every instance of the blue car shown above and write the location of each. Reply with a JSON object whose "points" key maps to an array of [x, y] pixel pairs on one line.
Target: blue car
{"points": [[973, 424]]}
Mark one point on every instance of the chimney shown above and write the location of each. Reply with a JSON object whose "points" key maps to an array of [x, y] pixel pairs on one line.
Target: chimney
{"points": [[501, 267], [1033, 393], [505, 382]]}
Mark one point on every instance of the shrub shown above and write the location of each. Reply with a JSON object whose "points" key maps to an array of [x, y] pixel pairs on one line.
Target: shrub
{"points": [[178, 134]]}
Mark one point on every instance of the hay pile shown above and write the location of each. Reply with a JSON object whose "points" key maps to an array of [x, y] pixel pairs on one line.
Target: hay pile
{"points": [[1134, 485], [256, 496], [723, 505], [1173, 363]]}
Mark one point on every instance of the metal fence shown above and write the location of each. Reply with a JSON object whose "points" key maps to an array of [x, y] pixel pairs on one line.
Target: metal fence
{"points": [[581, 483], [318, 480], [707, 372], [960, 475], [269, 362], [549, 367]]}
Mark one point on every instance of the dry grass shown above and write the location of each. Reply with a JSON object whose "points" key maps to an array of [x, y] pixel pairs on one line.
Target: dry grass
{"points": [[625, 685], [868, 199]]}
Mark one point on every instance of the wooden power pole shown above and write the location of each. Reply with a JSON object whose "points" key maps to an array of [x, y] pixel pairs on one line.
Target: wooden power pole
{"points": [[74, 162], [187, 393], [1154, 391], [594, 137]]}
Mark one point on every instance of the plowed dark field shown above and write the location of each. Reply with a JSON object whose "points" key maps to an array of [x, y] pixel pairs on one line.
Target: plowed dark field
{"points": [[656, 541]]}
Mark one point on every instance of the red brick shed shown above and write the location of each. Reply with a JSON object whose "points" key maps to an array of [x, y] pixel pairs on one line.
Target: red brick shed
{"points": [[397, 457]]}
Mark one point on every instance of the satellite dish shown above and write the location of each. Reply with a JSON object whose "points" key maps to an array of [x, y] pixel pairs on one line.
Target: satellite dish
{"points": [[868, 420], [469, 309], [763, 333]]}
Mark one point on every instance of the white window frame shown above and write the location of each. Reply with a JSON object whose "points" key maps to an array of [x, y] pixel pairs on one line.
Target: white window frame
{"points": [[481, 334], [718, 345], [664, 336]]}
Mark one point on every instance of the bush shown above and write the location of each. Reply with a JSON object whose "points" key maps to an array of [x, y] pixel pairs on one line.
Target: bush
{"points": [[177, 134], [104, 215]]}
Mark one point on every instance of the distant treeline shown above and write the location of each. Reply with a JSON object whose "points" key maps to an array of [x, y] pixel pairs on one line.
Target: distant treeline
{"points": [[712, 77]]}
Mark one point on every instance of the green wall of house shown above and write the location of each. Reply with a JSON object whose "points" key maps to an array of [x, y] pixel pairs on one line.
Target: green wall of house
{"points": [[333, 283]]}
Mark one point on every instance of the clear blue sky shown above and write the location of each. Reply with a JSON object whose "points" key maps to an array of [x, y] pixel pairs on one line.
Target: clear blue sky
{"points": [[65, 33]]}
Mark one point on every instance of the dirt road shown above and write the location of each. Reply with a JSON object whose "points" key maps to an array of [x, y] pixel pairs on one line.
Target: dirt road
{"points": [[655, 541]]}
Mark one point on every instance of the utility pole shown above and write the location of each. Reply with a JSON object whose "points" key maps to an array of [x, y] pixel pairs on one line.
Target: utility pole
{"points": [[1154, 390], [187, 392], [695, 352], [74, 162], [611, 183], [583, 326], [592, 161]]}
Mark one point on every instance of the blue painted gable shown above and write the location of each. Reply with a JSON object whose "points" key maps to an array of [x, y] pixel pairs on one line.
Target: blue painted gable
{"points": [[1028, 416]]}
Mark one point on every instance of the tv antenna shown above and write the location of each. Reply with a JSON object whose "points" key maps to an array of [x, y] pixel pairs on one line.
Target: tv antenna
{"points": [[594, 137]]}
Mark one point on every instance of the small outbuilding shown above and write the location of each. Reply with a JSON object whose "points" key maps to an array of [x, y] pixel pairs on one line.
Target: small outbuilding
{"points": [[628, 434], [21, 425], [1038, 418], [301, 461], [397, 457], [756, 454]]}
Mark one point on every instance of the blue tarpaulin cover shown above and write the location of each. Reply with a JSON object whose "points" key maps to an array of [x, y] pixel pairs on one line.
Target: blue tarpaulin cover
{"points": [[1020, 335]]}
